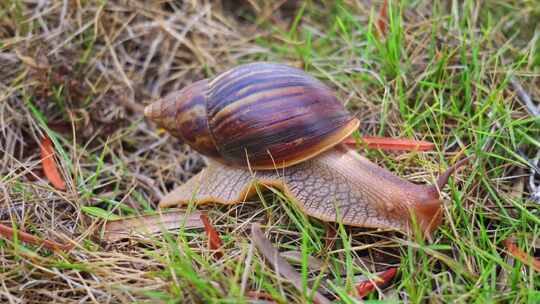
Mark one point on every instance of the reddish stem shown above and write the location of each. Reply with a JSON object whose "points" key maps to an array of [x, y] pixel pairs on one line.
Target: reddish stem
{"points": [[8, 233], [383, 16], [214, 241], [392, 144], [50, 167], [259, 295], [521, 255], [364, 288]]}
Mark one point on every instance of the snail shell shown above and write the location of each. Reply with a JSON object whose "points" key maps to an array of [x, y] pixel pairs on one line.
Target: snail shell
{"points": [[261, 115]]}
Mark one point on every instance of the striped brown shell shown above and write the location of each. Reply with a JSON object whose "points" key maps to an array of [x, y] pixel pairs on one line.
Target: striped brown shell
{"points": [[261, 115]]}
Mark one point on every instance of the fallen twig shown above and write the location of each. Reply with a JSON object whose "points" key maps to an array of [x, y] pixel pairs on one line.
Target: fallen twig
{"points": [[280, 265], [26, 237]]}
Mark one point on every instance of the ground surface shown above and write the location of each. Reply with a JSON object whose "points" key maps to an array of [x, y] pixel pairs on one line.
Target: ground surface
{"points": [[80, 72]]}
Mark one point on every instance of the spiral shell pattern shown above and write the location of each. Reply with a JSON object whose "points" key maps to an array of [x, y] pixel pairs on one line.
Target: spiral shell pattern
{"points": [[264, 116]]}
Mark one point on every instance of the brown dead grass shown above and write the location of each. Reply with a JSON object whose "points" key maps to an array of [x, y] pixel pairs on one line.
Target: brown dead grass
{"points": [[89, 69]]}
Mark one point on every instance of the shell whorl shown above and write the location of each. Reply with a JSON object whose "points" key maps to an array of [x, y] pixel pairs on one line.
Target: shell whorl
{"points": [[183, 114], [261, 115]]}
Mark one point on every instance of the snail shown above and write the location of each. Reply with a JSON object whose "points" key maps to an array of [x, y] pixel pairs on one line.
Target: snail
{"points": [[274, 125]]}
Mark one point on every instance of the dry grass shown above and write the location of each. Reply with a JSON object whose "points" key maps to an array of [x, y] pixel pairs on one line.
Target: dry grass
{"points": [[80, 72]]}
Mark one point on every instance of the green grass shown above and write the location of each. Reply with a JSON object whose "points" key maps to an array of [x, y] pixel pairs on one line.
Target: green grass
{"points": [[441, 73]]}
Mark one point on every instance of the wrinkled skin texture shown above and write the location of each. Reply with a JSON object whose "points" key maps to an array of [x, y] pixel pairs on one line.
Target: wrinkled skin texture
{"points": [[337, 186]]}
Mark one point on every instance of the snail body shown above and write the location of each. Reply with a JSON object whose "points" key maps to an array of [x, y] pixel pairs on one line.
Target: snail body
{"points": [[260, 117], [327, 187]]}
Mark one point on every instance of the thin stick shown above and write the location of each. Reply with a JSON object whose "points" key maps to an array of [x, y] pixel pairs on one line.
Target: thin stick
{"points": [[26, 237], [524, 97], [367, 286], [279, 263], [392, 144]]}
